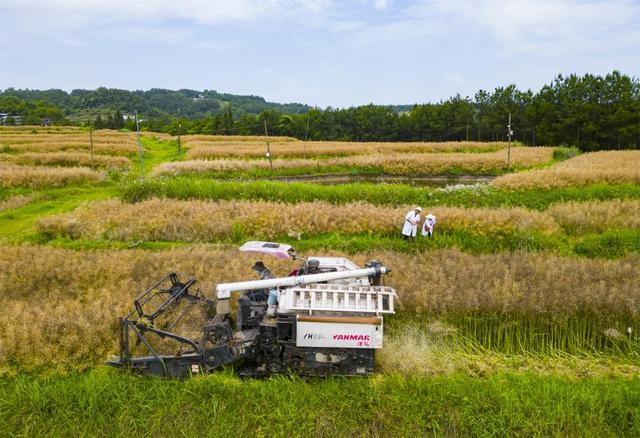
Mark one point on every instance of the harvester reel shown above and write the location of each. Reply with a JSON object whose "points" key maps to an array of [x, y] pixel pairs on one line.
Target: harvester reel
{"points": [[218, 334]]}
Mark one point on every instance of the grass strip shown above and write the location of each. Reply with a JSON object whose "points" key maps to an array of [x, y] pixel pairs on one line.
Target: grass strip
{"points": [[104, 402], [17, 225], [134, 190], [611, 244]]}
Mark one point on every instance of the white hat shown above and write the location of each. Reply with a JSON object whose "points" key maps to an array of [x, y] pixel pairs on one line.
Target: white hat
{"points": [[418, 208], [430, 216]]}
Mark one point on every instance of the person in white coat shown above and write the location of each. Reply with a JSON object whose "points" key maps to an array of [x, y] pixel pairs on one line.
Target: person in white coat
{"points": [[427, 226], [411, 221]]}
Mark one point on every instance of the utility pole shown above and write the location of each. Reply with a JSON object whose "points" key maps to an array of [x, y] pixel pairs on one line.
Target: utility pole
{"points": [[179, 127], [91, 142], [306, 134], [467, 136], [509, 134], [533, 132], [139, 144], [266, 135]]}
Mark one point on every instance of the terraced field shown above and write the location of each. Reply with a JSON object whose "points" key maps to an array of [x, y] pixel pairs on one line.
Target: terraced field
{"points": [[521, 316]]}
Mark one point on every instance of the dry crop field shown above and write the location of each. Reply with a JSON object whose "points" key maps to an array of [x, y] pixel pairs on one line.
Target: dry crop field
{"points": [[40, 177], [611, 167], [80, 295], [106, 142], [211, 147], [205, 221], [66, 159], [533, 275], [392, 163], [37, 157]]}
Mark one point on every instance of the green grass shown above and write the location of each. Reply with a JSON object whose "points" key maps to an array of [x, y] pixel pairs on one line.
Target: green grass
{"points": [[564, 153], [17, 225], [81, 244], [155, 152], [106, 403], [371, 171], [352, 243], [612, 244], [133, 190], [464, 240]]}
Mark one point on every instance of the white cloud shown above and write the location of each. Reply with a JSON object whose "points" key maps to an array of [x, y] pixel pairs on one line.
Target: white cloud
{"points": [[381, 4], [555, 26], [345, 51], [455, 78], [203, 11], [82, 22]]}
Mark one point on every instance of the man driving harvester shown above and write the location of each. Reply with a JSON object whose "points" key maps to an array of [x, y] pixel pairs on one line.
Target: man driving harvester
{"points": [[265, 274], [271, 296], [254, 301]]}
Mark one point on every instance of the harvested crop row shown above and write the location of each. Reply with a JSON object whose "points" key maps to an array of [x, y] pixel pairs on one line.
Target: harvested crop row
{"points": [[584, 217], [200, 138], [105, 142], [98, 136], [62, 140], [16, 201], [201, 221], [66, 159], [612, 167], [411, 164], [39, 177], [404, 164], [29, 128], [98, 148], [80, 294], [203, 149]]}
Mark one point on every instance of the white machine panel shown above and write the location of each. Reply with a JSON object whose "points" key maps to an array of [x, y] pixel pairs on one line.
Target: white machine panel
{"points": [[338, 335]]}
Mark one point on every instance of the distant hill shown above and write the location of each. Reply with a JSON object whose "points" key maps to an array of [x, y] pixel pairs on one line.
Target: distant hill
{"points": [[157, 102], [590, 112]]}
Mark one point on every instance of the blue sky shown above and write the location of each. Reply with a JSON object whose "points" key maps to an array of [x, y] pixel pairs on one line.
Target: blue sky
{"points": [[319, 52]]}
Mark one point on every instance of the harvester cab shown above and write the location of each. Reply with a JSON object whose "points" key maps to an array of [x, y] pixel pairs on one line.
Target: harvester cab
{"points": [[329, 321]]}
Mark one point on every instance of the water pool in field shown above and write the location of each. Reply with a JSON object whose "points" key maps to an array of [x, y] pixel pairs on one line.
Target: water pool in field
{"points": [[420, 181]]}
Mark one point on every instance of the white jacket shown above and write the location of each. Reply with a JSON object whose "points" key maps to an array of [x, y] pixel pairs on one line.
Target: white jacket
{"points": [[427, 227], [411, 221]]}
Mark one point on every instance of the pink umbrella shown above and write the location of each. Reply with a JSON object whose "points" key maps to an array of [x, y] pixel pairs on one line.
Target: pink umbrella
{"points": [[278, 250]]}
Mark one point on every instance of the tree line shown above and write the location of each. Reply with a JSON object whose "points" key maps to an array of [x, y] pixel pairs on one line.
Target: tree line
{"points": [[156, 102], [590, 111]]}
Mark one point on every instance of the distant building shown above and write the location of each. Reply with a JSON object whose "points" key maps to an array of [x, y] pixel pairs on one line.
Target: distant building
{"points": [[8, 119]]}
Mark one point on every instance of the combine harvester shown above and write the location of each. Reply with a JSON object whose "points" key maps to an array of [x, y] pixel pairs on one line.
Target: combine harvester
{"points": [[328, 322]]}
